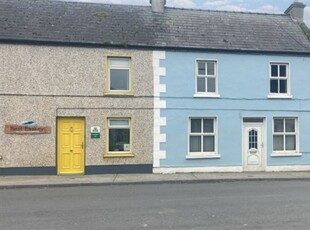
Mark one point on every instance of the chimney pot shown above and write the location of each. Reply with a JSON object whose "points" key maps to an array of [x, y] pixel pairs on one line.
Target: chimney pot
{"points": [[158, 5]]}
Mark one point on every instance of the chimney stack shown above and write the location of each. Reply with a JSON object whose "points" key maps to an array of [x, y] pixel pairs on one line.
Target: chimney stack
{"points": [[296, 11], [158, 6]]}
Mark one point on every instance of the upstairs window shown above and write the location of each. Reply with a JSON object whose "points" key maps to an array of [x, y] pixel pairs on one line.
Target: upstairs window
{"points": [[206, 77], [279, 79], [119, 74]]}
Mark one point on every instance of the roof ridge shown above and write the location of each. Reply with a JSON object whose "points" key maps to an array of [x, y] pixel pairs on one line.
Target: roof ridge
{"points": [[170, 7], [228, 11]]}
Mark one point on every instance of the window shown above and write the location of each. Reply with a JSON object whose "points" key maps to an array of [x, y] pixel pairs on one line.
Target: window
{"points": [[206, 77], [253, 139], [119, 136], [279, 79], [119, 75], [202, 137], [285, 139]]}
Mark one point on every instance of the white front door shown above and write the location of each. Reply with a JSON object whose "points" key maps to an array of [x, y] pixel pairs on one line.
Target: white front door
{"points": [[253, 147]]}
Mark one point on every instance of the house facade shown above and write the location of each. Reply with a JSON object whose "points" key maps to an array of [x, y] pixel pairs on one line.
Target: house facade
{"points": [[241, 101], [97, 88], [234, 112], [71, 107]]}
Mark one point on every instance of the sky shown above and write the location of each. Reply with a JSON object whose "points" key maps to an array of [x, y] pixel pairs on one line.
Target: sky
{"points": [[261, 6]]}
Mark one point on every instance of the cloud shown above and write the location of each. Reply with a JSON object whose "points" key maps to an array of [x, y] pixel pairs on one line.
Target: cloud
{"points": [[227, 5], [182, 3], [267, 9]]}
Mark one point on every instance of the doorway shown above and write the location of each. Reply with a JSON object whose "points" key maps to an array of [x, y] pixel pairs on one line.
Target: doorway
{"points": [[253, 146], [70, 145]]}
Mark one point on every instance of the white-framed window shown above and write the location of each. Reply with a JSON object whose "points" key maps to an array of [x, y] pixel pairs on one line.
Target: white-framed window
{"points": [[206, 78], [202, 137], [285, 136], [119, 135], [119, 74], [279, 77]]}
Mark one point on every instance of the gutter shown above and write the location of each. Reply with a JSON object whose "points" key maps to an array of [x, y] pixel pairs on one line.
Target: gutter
{"points": [[146, 47]]}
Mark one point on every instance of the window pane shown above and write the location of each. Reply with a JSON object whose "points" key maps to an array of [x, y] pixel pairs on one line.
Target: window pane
{"points": [[121, 62], [195, 144], [278, 143], [283, 86], [290, 142], [253, 139], [211, 85], [196, 125], [119, 79], [278, 125], [208, 144], [274, 70], [117, 139], [273, 86], [119, 122], [201, 84], [211, 68], [282, 70], [208, 126], [289, 125], [201, 68]]}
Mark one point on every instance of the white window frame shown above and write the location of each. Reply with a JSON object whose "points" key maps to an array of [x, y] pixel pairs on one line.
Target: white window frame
{"points": [[206, 76], [278, 78], [127, 153], [201, 155], [109, 67], [285, 152]]}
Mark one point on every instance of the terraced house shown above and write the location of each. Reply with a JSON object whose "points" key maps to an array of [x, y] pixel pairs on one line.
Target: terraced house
{"points": [[96, 88]]}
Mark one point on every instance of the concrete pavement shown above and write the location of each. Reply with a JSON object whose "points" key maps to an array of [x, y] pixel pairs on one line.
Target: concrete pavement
{"points": [[111, 179]]}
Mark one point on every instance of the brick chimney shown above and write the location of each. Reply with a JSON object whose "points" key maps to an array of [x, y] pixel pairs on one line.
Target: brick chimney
{"points": [[296, 11], [158, 6]]}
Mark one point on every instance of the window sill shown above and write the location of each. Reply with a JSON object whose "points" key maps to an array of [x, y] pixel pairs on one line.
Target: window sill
{"points": [[118, 155], [203, 156], [129, 94], [198, 95], [280, 96], [286, 154]]}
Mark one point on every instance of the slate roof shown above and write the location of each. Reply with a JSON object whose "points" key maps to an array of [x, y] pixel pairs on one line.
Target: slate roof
{"points": [[137, 26]]}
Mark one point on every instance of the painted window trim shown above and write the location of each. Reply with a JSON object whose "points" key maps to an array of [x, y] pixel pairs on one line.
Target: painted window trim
{"points": [[280, 154], [280, 96], [206, 93], [121, 154], [286, 95], [203, 155], [289, 152], [109, 92]]}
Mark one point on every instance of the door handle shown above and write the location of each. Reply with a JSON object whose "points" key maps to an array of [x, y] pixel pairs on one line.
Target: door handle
{"points": [[82, 145]]}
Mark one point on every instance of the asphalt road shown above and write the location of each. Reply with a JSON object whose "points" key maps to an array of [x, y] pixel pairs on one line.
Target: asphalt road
{"points": [[226, 205]]}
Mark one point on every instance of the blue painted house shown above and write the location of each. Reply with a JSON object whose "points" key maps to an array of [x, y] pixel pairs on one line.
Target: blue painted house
{"points": [[232, 92]]}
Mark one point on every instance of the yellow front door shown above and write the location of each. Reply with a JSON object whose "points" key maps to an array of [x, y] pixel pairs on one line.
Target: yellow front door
{"points": [[70, 146]]}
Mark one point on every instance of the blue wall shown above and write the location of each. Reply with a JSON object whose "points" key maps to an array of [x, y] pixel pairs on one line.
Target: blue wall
{"points": [[243, 85]]}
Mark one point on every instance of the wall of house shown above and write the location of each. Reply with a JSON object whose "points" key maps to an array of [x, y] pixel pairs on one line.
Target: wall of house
{"points": [[42, 83], [243, 85]]}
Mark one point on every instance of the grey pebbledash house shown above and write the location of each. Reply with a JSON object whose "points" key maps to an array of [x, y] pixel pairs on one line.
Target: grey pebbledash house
{"points": [[97, 88]]}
